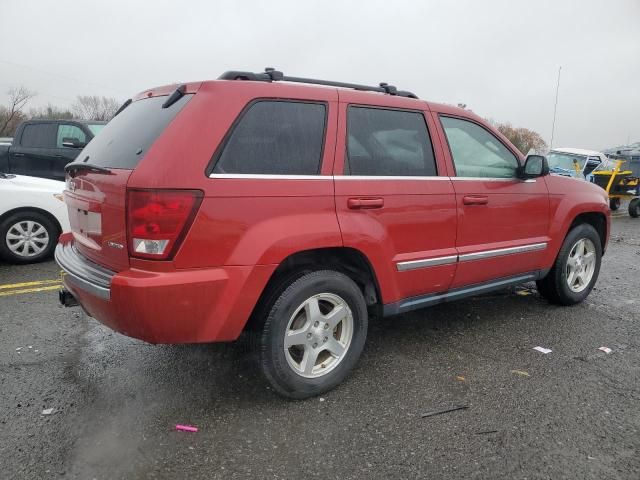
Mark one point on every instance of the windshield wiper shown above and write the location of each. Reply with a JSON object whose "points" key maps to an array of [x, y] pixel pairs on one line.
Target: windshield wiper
{"points": [[175, 96], [75, 166], [122, 107]]}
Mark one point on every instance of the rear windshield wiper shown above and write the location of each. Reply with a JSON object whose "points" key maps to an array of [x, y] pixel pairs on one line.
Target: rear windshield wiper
{"points": [[123, 106], [175, 96], [75, 166]]}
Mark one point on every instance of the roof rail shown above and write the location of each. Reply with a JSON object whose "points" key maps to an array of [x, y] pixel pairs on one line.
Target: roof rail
{"points": [[273, 75]]}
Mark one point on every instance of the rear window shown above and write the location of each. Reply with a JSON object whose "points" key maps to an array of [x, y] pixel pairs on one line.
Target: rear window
{"points": [[39, 135], [125, 140], [277, 138]]}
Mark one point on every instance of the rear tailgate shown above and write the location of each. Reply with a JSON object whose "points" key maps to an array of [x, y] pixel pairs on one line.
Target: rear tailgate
{"points": [[96, 200], [96, 205]]}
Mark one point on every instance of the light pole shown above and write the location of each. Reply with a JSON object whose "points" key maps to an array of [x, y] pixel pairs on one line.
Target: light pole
{"points": [[555, 109]]}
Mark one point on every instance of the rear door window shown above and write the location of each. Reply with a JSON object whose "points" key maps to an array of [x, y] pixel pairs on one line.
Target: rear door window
{"points": [[39, 135], [384, 142], [125, 140], [276, 138]]}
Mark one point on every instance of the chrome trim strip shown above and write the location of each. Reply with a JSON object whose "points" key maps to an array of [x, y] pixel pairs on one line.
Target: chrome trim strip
{"points": [[427, 262], [484, 179], [260, 176], [468, 257], [387, 177]]}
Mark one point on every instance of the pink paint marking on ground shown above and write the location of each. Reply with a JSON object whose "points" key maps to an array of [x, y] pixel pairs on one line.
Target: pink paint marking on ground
{"points": [[186, 428]]}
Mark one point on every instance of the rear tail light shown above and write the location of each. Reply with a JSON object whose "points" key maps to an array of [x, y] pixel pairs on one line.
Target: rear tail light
{"points": [[158, 220]]}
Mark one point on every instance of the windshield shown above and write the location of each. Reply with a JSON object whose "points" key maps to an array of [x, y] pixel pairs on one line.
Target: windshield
{"points": [[95, 127], [565, 160]]}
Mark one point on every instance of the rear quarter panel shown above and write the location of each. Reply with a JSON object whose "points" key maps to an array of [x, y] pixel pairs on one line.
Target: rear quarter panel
{"points": [[568, 198], [242, 221]]}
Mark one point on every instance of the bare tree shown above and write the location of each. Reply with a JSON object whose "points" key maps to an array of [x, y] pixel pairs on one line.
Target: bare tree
{"points": [[94, 107], [12, 115], [524, 139], [51, 112]]}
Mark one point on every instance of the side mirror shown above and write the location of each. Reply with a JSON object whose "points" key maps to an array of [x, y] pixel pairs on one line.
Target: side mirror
{"points": [[534, 166], [72, 142]]}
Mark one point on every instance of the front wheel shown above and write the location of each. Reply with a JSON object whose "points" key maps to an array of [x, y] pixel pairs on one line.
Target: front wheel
{"points": [[634, 208], [314, 334], [576, 269], [614, 204]]}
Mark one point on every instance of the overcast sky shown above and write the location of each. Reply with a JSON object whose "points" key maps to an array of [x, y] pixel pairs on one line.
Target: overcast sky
{"points": [[501, 58]]}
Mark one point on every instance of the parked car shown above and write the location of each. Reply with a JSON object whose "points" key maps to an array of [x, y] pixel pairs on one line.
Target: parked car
{"points": [[41, 148], [293, 212], [32, 216], [575, 162]]}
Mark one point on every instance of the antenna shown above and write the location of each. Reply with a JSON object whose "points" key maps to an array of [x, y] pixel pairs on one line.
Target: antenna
{"points": [[555, 109]]}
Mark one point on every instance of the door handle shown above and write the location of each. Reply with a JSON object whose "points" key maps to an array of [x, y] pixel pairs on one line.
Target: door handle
{"points": [[475, 200], [58, 156], [18, 154], [365, 203]]}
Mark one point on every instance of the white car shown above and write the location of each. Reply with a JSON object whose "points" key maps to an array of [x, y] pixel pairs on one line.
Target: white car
{"points": [[569, 161], [32, 216]]}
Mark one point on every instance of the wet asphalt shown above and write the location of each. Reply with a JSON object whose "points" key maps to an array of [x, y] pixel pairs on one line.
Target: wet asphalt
{"points": [[573, 413]]}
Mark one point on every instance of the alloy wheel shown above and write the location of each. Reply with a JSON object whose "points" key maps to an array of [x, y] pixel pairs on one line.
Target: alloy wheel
{"points": [[318, 335], [581, 265]]}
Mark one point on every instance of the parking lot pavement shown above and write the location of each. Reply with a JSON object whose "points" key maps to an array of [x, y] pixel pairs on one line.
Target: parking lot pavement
{"points": [[572, 413]]}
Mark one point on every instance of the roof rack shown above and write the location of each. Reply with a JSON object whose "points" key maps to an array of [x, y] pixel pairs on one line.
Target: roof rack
{"points": [[273, 75]]}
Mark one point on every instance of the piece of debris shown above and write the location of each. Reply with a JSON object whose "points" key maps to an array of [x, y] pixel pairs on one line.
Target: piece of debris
{"points": [[18, 349], [606, 350], [542, 350], [186, 428], [522, 373], [445, 410], [321, 399], [460, 377], [486, 432], [523, 293], [47, 411]]}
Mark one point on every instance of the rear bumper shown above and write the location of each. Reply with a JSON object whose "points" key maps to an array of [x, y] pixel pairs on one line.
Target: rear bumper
{"points": [[178, 306]]}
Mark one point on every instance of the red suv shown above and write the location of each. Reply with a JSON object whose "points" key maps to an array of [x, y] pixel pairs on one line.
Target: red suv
{"points": [[294, 209]]}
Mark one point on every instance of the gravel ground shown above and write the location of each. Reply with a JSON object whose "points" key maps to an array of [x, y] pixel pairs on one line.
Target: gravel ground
{"points": [[574, 414]]}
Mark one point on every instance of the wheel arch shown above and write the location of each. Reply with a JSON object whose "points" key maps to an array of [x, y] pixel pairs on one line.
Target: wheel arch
{"points": [[347, 260], [40, 211], [597, 220]]}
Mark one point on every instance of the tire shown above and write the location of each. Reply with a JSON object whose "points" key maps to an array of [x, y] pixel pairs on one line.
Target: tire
{"points": [[614, 204], [42, 237], [327, 310], [559, 286], [634, 208]]}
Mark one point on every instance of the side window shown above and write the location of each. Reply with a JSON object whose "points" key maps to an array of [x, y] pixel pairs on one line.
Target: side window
{"points": [[388, 143], [276, 137], [39, 135], [69, 131], [476, 152]]}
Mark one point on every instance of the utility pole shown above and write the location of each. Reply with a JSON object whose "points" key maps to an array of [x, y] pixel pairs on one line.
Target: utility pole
{"points": [[555, 109]]}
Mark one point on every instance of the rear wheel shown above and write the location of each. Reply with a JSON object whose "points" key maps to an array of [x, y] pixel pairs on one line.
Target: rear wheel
{"points": [[634, 208], [614, 204], [576, 269], [314, 334], [27, 237]]}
